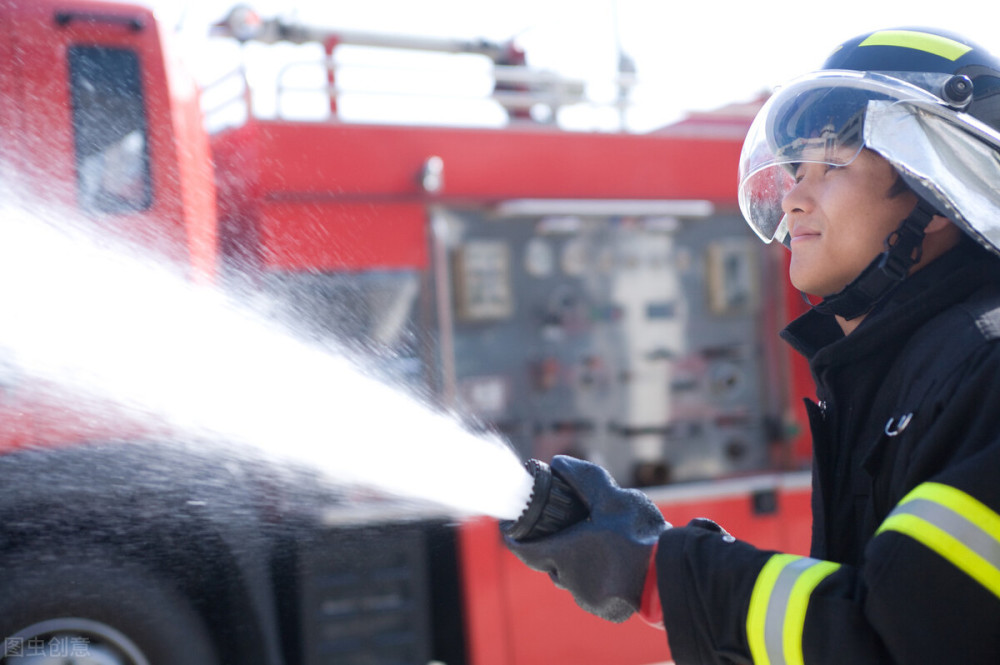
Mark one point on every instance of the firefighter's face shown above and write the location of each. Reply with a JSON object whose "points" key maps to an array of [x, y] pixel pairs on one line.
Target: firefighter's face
{"points": [[838, 219]]}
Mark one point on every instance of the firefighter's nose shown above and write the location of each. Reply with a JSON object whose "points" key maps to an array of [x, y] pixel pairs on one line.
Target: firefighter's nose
{"points": [[797, 198]]}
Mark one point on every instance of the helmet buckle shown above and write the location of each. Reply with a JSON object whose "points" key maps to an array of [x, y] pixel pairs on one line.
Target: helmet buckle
{"points": [[902, 251], [904, 246]]}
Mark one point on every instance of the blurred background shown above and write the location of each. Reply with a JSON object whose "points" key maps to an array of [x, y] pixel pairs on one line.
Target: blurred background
{"points": [[686, 56], [192, 476]]}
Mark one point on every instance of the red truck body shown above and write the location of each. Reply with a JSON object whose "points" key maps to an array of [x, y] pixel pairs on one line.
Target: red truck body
{"points": [[529, 259]]}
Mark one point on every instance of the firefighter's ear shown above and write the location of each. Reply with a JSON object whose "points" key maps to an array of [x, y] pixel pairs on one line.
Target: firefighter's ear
{"points": [[939, 223], [939, 236]]}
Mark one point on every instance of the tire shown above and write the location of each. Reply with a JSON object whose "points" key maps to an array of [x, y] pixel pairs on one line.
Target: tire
{"points": [[93, 608]]}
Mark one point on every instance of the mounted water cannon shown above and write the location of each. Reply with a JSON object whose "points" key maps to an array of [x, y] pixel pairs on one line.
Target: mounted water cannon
{"points": [[518, 88], [242, 23]]}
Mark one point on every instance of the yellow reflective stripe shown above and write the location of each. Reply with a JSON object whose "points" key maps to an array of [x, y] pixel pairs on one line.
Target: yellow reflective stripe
{"points": [[959, 528], [922, 41], [965, 505], [948, 547], [795, 618], [776, 617], [759, 601]]}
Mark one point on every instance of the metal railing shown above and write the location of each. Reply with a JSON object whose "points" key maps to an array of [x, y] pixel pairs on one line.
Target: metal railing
{"points": [[524, 93]]}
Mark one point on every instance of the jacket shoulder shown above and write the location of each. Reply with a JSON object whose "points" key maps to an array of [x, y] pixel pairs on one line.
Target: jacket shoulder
{"points": [[984, 311], [946, 349], [963, 328]]}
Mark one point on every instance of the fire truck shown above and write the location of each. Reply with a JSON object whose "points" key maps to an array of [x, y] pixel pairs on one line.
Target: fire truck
{"points": [[576, 292]]}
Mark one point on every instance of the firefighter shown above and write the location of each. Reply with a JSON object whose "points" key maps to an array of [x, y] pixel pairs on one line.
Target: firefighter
{"points": [[881, 173]]}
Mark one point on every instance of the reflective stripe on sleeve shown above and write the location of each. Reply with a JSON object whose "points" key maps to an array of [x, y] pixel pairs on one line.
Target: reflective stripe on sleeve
{"points": [[956, 526], [777, 615]]}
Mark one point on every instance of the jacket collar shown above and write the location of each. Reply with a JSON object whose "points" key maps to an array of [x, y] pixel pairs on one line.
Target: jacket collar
{"points": [[949, 279]]}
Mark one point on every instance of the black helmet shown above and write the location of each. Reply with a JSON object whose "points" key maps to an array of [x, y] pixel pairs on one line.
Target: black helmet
{"points": [[926, 100], [928, 50]]}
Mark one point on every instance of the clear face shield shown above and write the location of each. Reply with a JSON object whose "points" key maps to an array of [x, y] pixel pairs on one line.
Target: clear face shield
{"points": [[828, 117]]}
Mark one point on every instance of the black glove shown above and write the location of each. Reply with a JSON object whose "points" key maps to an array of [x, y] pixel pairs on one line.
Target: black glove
{"points": [[602, 560]]}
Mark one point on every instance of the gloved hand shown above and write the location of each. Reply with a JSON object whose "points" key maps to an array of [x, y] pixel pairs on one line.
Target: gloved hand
{"points": [[602, 560]]}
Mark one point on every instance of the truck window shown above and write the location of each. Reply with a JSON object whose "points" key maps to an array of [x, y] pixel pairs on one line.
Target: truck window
{"points": [[109, 127]]}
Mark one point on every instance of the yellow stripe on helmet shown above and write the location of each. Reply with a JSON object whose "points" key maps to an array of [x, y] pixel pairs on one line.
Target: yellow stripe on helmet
{"points": [[922, 41]]}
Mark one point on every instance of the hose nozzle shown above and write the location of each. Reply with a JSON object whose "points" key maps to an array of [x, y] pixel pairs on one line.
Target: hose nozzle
{"points": [[552, 506]]}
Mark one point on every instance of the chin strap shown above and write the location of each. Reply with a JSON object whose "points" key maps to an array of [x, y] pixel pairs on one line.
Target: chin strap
{"points": [[885, 272]]}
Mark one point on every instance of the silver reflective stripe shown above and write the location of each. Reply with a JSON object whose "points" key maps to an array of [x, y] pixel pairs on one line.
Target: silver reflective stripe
{"points": [[778, 605], [961, 529], [777, 609], [956, 526]]}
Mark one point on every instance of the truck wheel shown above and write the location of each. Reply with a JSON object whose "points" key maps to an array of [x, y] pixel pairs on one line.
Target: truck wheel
{"points": [[94, 610]]}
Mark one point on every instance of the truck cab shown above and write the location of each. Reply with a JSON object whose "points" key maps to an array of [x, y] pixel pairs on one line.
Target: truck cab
{"points": [[97, 120]]}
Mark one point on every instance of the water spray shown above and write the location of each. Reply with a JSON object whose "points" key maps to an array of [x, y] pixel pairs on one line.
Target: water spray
{"points": [[106, 327], [552, 506]]}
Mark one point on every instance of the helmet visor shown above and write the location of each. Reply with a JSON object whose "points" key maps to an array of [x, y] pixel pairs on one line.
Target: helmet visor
{"points": [[818, 118]]}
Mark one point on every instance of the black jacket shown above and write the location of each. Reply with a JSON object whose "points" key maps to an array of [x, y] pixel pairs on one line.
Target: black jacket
{"points": [[908, 403]]}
